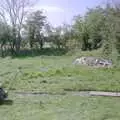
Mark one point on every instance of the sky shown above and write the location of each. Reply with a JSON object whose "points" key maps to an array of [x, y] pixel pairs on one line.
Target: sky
{"points": [[63, 11]]}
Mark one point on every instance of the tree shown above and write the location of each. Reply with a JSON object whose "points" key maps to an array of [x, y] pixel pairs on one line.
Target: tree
{"points": [[13, 13], [95, 20], [68, 36], [88, 28], [111, 29], [57, 36], [60, 35], [34, 25], [5, 38], [81, 29]]}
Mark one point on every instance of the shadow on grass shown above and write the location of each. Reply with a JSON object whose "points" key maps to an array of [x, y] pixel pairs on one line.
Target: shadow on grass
{"points": [[37, 52], [6, 102]]}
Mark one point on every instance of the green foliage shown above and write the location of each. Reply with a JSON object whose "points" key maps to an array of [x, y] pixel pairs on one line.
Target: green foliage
{"points": [[5, 39], [89, 28], [98, 28], [35, 23], [60, 36]]}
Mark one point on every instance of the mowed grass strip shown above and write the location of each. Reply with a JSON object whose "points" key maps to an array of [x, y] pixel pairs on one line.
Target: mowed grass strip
{"points": [[47, 107]]}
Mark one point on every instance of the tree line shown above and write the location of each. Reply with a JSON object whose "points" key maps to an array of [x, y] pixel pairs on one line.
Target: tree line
{"points": [[21, 29]]}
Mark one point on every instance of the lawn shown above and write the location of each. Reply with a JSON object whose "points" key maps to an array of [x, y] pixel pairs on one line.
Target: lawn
{"points": [[57, 74], [56, 107]]}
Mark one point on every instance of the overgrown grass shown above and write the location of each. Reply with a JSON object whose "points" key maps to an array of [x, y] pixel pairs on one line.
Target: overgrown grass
{"points": [[56, 74]]}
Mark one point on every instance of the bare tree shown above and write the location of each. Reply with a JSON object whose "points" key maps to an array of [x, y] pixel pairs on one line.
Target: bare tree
{"points": [[13, 12]]}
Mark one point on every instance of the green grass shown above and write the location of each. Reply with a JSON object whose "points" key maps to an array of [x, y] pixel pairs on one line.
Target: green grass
{"points": [[57, 74], [57, 107]]}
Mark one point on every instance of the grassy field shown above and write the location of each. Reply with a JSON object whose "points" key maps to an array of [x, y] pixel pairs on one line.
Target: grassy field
{"points": [[57, 74], [60, 107]]}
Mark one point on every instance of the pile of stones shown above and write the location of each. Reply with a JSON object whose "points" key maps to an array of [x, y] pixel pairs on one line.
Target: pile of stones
{"points": [[93, 61]]}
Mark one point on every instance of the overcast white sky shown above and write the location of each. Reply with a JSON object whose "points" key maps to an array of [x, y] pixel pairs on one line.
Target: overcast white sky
{"points": [[59, 11]]}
